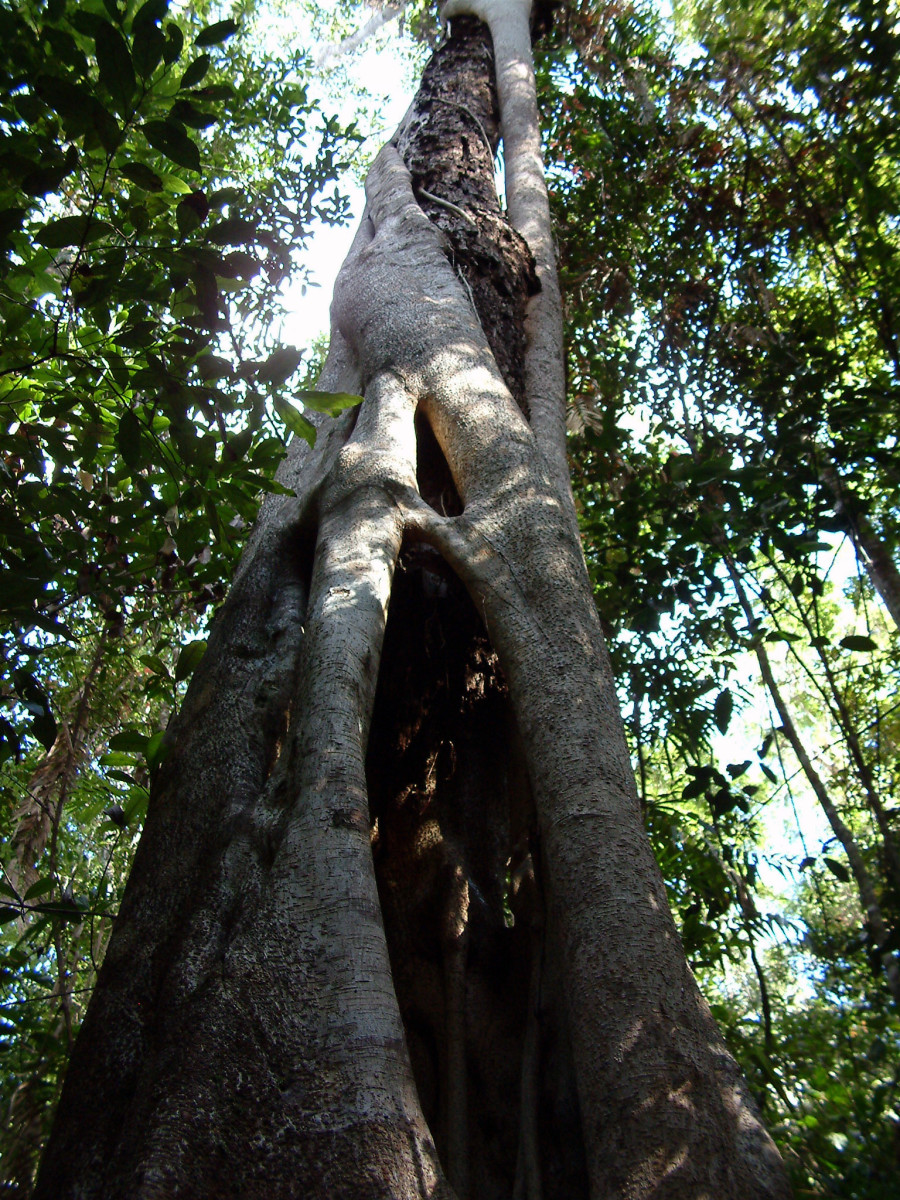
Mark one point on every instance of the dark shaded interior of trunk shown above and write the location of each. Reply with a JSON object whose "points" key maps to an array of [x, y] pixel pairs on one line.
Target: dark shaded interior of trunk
{"points": [[454, 836], [457, 858]]}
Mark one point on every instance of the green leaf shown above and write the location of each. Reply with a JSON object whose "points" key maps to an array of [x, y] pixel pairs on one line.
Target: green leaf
{"points": [[858, 642], [295, 421], [694, 788], [174, 44], [141, 175], [80, 111], [156, 749], [190, 114], [837, 869], [121, 777], [72, 231], [45, 730], [736, 770], [195, 71], [722, 710], [191, 212], [150, 13], [62, 96], [328, 402], [211, 366], [41, 888], [239, 265], [226, 195], [271, 485], [114, 63], [238, 445], [214, 34], [213, 93], [180, 187], [129, 739], [85, 21], [47, 176], [129, 437], [189, 659], [149, 41], [280, 365], [9, 914], [233, 231], [148, 48], [172, 141], [137, 806], [155, 664]]}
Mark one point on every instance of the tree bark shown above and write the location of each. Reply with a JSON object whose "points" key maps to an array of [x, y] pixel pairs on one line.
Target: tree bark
{"points": [[341, 955], [870, 549], [41, 810]]}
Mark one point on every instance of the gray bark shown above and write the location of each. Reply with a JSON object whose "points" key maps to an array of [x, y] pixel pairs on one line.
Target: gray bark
{"points": [[247, 1036]]}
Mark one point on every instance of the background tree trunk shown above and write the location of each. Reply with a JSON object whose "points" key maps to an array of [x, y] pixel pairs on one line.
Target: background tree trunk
{"points": [[870, 548], [395, 929]]}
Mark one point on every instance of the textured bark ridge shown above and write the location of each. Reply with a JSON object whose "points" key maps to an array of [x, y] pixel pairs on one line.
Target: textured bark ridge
{"points": [[394, 927], [455, 834]]}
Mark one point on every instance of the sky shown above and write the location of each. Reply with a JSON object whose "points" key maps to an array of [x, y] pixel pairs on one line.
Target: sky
{"points": [[381, 71]]}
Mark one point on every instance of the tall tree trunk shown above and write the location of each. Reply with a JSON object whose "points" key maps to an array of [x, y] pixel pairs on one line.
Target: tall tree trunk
{"points": [[881, 935], [37, 817], [394, 928], [870, 549]]}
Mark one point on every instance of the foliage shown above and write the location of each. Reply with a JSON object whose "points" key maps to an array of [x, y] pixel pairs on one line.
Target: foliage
{"points": [[726, 196], [134, 288], [827, 1074], [161, 171]]}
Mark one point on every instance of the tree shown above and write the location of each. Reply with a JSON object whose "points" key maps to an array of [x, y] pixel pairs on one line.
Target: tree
{"points": [[728, 264], [159, 178], [379, 905]]}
